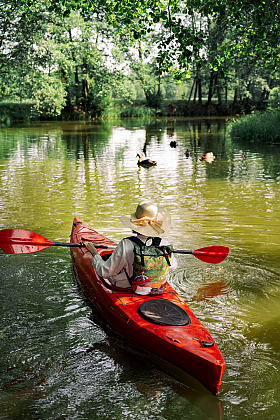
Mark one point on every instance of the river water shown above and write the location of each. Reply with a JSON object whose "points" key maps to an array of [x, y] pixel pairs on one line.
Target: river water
{"points": [[57, 361]]}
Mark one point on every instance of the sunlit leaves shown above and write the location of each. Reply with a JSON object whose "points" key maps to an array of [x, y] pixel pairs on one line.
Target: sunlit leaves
{"points": [[184, 22], [156, 38], [252, 21], [49, 94]]}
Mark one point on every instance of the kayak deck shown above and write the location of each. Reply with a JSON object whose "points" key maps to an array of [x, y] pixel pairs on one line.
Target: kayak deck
{"points": [[162, 324]]}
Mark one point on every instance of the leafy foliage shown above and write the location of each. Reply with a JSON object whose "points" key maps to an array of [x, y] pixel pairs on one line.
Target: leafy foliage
{"points": [[94, 50], [49, 95], [257, 128]]}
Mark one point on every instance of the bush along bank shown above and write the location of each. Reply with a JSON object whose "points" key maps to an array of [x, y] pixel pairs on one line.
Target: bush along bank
{"points": [[15, 111], [259, 128], [118, 109]]}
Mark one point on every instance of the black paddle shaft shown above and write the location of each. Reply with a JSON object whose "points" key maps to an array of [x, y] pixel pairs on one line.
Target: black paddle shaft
{"points": [[177, 251], [80, 245]]}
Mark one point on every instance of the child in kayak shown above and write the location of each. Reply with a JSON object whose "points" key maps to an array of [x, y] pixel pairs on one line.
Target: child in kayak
{"points": [[141, 262]]}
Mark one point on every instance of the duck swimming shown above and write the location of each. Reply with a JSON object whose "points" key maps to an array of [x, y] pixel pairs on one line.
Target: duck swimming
{"points": [[187, 153], [146, 162], [208, 157]]}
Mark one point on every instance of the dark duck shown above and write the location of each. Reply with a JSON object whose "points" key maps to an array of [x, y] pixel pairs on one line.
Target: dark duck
{"points": [[146, 162]]}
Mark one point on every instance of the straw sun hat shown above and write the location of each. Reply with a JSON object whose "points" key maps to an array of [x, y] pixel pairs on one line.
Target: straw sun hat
{"points": [[148, 220]]}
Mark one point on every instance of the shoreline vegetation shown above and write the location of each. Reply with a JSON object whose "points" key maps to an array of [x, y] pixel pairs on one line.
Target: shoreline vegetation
{"points": [[87, 61], [260, 127], [118, 109]]}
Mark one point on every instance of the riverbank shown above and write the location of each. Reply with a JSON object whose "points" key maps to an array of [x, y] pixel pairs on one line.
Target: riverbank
{"points": [[258, 127], [261, 128], [24, 111]]}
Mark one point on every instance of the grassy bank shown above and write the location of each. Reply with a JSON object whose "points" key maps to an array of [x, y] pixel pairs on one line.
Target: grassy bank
{"points": [[23, 111], [15, 111], [255, 127], [260, 128]]}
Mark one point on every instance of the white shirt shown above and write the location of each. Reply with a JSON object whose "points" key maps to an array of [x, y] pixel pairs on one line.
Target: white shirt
{"points": [[123, 257]]}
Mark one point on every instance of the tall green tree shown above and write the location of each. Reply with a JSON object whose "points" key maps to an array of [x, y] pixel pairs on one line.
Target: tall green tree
{"points": [[223, 46], [20, 24]]}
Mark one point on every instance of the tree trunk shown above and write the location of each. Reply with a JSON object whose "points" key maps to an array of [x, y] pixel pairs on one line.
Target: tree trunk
{"points": [[85, 89], [234, 102], [191, 92], [195, 92], [210, 90], [75, 73], [66, 85], [140, 51], [199, 88], [265, 95], [219, 93], [226, 90]]}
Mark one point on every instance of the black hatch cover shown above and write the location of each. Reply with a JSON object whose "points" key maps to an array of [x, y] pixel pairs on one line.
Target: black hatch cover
{"points": [[163, 312]]}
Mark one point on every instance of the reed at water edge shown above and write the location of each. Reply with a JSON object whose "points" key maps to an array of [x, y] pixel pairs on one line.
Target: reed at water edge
{"points": [[261, 128]]}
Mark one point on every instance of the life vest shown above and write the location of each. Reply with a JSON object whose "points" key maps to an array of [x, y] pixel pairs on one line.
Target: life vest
{"points": [[150, 267]]}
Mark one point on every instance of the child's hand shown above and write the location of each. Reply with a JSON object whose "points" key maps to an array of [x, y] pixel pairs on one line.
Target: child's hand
{"points": [[91, 248]]}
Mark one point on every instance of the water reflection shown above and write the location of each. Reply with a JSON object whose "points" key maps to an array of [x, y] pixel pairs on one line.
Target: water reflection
{"points": [[51, 172], [209, 291], [140, 369]]}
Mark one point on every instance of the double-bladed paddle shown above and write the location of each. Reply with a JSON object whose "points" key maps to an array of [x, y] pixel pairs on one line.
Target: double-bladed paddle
{"points": [[20, 241]]}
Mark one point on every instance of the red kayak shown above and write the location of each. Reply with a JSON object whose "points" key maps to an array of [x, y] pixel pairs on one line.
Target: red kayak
{"points": [[163, 324]]}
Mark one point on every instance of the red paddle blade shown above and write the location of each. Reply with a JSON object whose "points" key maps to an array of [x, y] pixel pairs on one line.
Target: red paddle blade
{"points": [[212, 254], [20, 241]]}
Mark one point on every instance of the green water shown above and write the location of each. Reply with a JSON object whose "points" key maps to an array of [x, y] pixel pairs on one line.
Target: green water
{"points": [[56, 361]]}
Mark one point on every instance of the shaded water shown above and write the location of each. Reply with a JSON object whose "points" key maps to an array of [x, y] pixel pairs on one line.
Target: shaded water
{"points": [[56, 361]]}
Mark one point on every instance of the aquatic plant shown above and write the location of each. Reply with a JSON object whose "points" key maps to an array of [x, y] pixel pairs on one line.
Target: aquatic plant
{"points": [[137, 111], [261, 128]]}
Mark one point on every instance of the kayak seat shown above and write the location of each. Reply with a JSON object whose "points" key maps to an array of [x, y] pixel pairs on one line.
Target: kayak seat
{"points": [[109, 285], [105, 257], [163, 312]]}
